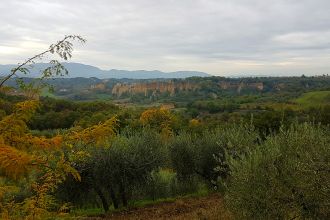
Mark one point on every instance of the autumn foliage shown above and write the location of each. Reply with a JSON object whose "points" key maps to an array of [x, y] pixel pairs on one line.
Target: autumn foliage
{"points": [[35, 165], [39, 160], [160, 119]]}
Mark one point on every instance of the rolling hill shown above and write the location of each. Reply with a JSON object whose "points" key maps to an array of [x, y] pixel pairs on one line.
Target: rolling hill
{"points": [[82, 70], [315, 98]]}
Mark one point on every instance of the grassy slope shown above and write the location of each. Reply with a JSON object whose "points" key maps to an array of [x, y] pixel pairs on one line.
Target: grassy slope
{"points": [[314, 98], [46, 93]]}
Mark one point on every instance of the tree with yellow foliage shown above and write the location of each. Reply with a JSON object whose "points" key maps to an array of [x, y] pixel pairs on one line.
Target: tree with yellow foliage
{"points": [[159, 118], [36, 164]]}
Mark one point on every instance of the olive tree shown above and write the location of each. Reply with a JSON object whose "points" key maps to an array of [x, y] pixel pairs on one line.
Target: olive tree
{"points": [[287, 177], [113, 171], [205, 154]]}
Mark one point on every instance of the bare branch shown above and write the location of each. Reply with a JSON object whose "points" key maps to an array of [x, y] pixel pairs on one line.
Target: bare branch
{"points": [[62, 48]]}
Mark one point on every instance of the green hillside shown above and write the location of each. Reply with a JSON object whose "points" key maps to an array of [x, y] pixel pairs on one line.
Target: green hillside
{"points": [[314, 98]]}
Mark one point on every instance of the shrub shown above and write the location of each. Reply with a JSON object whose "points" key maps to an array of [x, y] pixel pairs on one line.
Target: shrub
{"points": [[114, 171], [205, 155], [162, 184], [287, 177]]}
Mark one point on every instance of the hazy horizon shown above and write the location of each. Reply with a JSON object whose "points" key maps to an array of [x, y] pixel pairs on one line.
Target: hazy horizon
{"points": [[155, 70], [228, 38]]}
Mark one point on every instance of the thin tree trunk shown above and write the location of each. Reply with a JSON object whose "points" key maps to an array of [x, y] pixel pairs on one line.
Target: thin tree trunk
{"points": [[103, 199], [123, 194], [114, 198]]}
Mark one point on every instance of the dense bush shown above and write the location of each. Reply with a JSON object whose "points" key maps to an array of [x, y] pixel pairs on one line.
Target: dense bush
{"points": [[287, 177], [164, 183], [205, 154], [320, 114], [113, 172], [60, 114]]}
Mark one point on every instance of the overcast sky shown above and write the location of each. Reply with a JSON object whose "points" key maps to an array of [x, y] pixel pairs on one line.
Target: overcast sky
{"points": [[221, 37]]}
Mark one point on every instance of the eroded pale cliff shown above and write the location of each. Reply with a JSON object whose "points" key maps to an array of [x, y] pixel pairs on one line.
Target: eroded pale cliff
{"points": [[172, 87], [153, 87]]}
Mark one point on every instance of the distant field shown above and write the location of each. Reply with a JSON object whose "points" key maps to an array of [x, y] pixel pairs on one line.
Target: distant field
{"points": [[46, 93], [314, 98]]}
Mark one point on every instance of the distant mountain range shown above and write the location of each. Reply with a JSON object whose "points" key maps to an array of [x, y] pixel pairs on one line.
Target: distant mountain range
{"points": [[82, 70]]}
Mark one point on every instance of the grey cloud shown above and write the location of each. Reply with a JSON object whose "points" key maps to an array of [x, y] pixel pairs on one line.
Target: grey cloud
{"points": [[216, 36]]}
